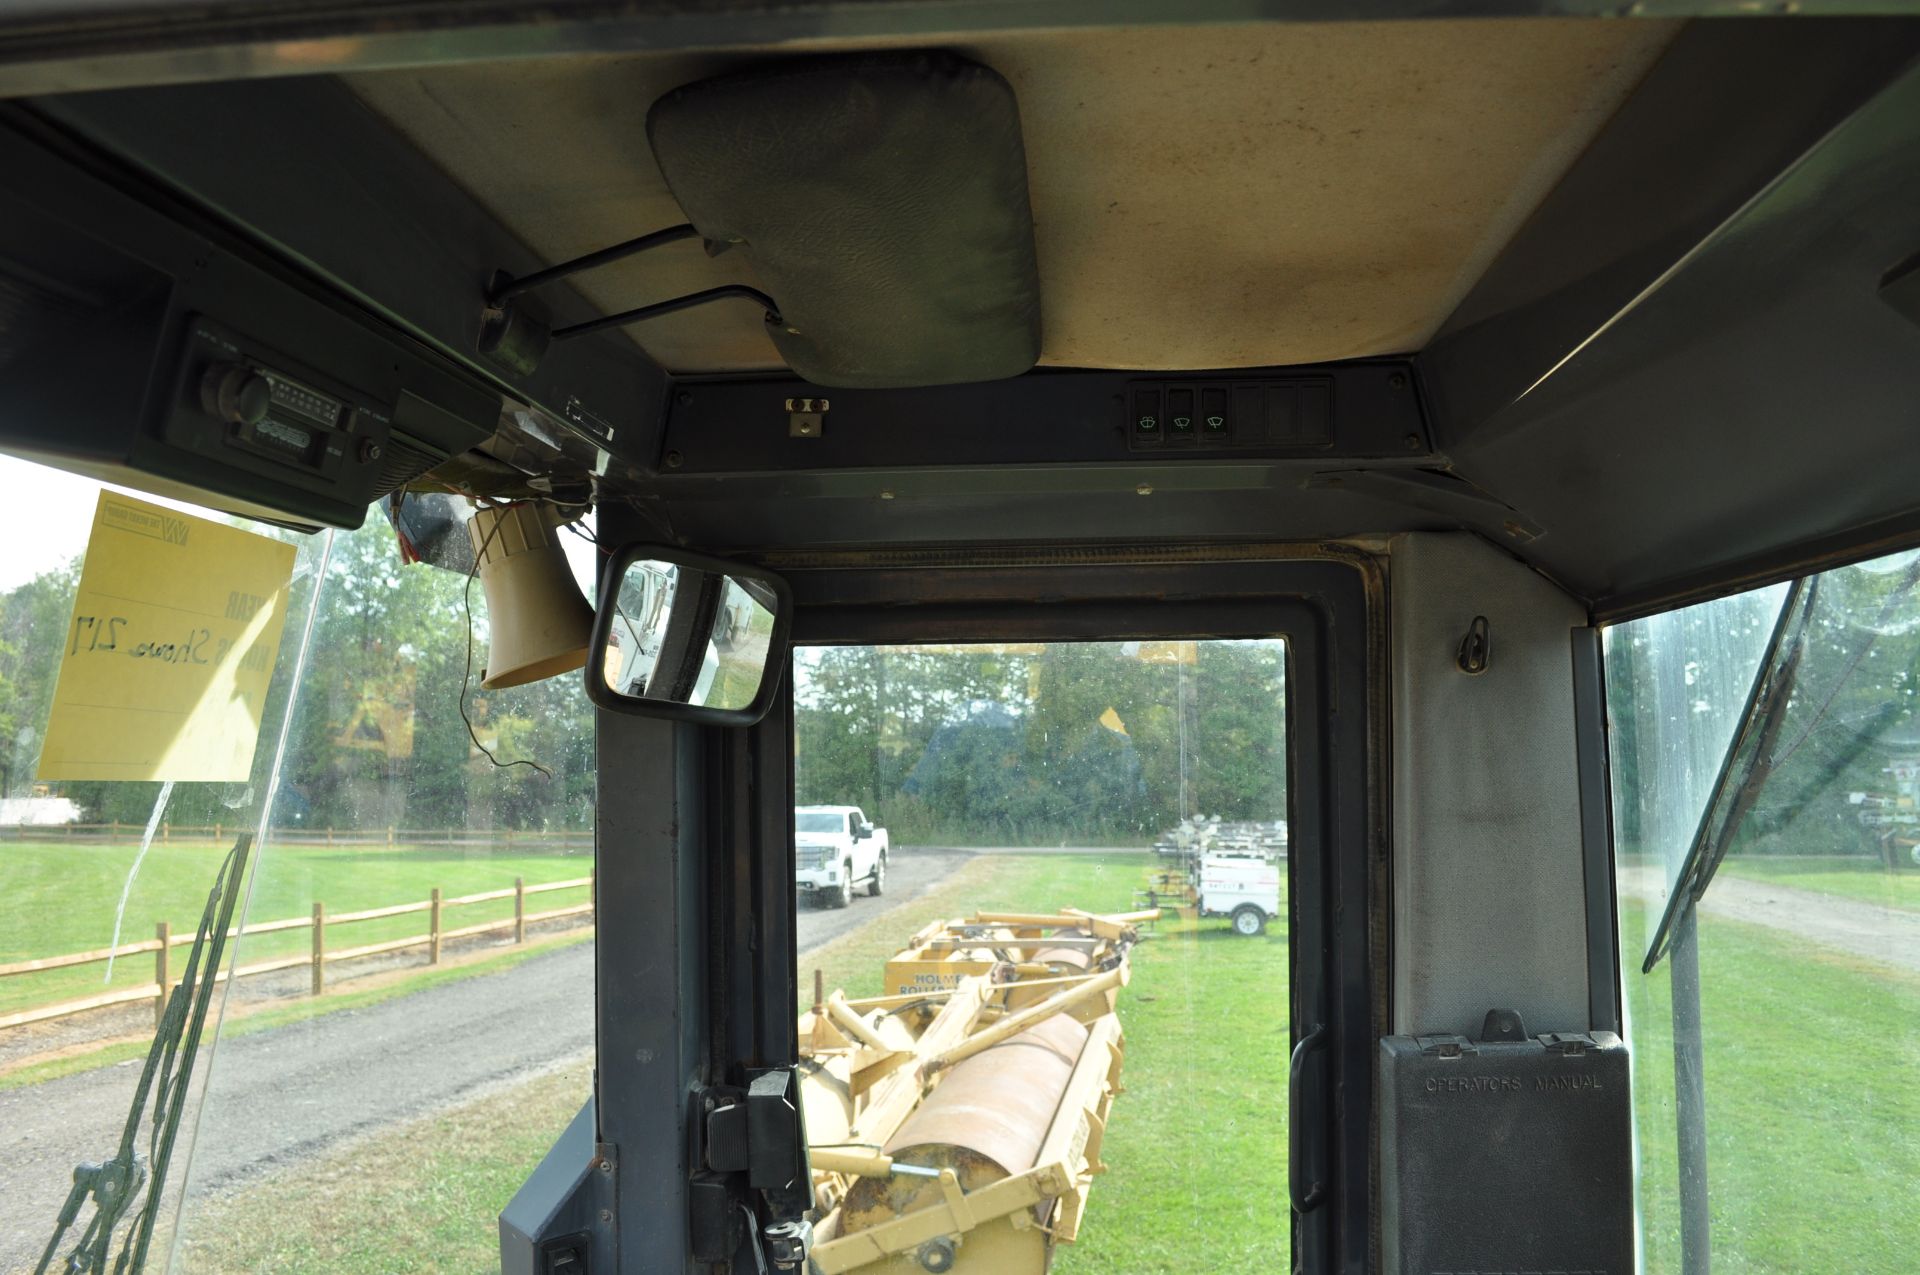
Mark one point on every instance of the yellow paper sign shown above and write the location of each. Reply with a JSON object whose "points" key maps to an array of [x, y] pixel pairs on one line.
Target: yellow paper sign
{"points": [[176, 626], [1187, 652]]}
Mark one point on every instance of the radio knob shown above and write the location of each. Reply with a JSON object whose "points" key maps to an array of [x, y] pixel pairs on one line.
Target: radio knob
{"points": [[236, 393]]}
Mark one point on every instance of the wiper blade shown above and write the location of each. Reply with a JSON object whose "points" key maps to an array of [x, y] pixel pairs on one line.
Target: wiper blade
{"points": [[116, 1183], [1747, 766]]}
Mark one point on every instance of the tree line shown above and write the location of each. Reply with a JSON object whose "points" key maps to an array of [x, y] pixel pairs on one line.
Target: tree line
{"points": [[1008, 743], [1103, 742], [1677, 682], [377, 738]]}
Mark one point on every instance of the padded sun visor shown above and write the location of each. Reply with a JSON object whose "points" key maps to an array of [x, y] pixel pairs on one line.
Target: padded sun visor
{"points": [[882, 200]]}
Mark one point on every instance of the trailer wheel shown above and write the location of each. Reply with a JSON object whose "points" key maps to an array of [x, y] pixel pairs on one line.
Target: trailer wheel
{"points": [[1249, 920], [878, 880], [842, 894]]}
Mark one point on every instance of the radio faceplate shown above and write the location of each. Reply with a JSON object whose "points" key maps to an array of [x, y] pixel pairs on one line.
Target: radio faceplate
{"points": [[257, 409], [152, 352]]}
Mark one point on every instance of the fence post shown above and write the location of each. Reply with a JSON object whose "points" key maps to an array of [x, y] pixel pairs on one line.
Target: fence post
{"points": [[166, 832], [390, 837], [329, 836], [164, 933], [519, 909], [433, 929], [319, 947], [116, 833], [216, 835], [449, 836]]}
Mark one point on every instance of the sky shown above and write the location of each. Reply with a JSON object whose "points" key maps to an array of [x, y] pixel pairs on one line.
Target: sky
{"points": [[45, 515]]}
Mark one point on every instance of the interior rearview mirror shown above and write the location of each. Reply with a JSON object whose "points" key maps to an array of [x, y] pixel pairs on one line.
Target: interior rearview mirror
{"points": [[682, 636]]}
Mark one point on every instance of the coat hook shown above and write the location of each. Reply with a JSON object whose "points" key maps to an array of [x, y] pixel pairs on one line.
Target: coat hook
{"points": [[1476, 648]]}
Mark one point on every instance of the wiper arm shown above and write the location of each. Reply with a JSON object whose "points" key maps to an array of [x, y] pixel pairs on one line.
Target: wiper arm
{"points": [[114, 1184], [1747, 766]]}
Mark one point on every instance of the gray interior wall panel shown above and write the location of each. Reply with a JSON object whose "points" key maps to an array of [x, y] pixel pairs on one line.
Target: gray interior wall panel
{"points": [[1489, 898]]}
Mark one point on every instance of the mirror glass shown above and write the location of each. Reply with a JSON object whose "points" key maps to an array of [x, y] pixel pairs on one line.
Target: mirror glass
{"points": [[682, 635]]}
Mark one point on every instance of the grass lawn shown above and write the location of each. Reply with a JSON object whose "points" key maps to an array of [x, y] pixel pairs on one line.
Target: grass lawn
{"points": [[1813, 1118], [421, 1197], [1863, 879], [1812, 1111], [424, 1197], [1205, 1073], [58, 898]]}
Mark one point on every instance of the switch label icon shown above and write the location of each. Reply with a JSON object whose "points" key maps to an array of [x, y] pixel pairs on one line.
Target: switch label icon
{"points": [[1146, 415], [1179, 414], [1213, 413]]}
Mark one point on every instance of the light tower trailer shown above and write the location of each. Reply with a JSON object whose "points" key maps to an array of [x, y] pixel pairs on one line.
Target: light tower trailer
{"points": [[1241, 885]]}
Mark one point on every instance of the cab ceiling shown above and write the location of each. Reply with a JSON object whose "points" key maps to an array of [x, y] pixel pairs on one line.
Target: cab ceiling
{"points": [[1215, 196]]}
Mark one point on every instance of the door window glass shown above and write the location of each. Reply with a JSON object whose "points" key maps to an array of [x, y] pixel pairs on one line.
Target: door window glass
{"points": [[1047, 820]]}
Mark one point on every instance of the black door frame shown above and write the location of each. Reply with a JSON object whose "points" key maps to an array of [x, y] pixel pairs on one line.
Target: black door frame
{"points": [[1328, 601]]}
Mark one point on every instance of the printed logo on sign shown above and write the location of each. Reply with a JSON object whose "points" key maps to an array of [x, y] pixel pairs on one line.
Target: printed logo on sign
{"points": [[928, 983], [244, 606], [144, 522]]}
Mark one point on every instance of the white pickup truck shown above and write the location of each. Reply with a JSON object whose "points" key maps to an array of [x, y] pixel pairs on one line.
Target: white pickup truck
{"points": [[835, 849]]}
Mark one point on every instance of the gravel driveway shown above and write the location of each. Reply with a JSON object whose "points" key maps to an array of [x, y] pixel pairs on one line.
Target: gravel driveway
{"points": [[1890, 936], [280, 1096]]}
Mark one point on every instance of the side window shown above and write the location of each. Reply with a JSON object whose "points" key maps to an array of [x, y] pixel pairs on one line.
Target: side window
{"points": [[1765, 752], [411, 890]]}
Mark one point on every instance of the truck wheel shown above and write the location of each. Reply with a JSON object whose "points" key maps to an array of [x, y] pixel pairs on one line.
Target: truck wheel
{"points": [[840, 895], [879, 878], [1249, 920]]}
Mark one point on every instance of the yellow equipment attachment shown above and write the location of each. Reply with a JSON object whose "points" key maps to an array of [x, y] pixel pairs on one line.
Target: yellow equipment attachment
{"points": [[957, 1126], [1034, 944], [1170, 887]]}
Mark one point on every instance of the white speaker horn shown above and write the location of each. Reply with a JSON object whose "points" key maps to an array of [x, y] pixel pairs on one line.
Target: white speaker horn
{"points": [[541, 625]]}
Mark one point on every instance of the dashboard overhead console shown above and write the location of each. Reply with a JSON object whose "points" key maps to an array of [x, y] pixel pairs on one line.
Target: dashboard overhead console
{"points": [[142, 347], [882, 199], [1329, 415]]}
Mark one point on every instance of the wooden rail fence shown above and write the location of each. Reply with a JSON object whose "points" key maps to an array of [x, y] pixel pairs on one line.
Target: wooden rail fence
{"points": [[220, 834], [318, 956]]}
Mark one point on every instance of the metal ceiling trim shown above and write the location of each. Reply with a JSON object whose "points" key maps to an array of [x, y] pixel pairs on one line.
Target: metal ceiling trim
{"points": [[1654, 189], [65, 46], [390, 231]]}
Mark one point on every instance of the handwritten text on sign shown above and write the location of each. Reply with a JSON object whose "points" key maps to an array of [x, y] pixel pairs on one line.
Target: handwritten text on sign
{"points": [[175, 628]]}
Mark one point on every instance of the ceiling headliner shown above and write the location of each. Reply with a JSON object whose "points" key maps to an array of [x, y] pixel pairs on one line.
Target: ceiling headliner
{"points": [[1209, 196]]}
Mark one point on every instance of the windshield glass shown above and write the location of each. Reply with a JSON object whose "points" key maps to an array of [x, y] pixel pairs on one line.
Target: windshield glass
{"points": [[420, 875], [1092, 835], [816, 821], [1773, 1037]]}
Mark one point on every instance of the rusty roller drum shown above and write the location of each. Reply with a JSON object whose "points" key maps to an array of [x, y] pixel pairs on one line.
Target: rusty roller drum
{"points": [[1070, 960], [1063, 961], [986, 1121]]}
